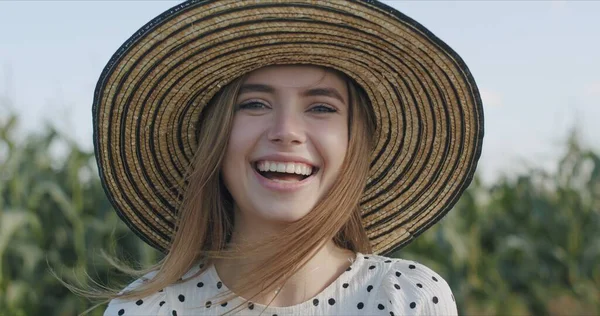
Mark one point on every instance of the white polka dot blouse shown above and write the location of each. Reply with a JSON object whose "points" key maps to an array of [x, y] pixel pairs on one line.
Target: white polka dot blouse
{"points": [[372, 285]]}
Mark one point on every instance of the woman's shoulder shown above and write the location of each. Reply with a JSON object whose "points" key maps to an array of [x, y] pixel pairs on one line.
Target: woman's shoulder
{"points": [[409, 287], [153, 304], [402, 267], [172, 299]]}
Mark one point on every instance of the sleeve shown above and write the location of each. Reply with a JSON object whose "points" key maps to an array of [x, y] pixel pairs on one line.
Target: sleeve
{"points": [[155, 304], [410, 288]]}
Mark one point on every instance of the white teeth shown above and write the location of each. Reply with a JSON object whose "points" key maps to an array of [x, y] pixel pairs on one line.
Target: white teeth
{"points": [[281, 167], [272, 166], [290, 168], [287, 167]]}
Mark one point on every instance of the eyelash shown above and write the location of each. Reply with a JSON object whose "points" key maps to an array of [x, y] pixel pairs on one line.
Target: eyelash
{"points": [[249, 106], [328, 109]]}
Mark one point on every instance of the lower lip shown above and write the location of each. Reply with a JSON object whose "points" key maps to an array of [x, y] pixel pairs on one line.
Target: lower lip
{"points": [[282, 186]]}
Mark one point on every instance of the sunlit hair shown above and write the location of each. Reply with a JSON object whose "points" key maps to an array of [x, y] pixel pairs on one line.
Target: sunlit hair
{"points": [[206, 220]]}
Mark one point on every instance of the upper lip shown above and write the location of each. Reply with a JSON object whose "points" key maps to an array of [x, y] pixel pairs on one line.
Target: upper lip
{"points": [[285, 158]]}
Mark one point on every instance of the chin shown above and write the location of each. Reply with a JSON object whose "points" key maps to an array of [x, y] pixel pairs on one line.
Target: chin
{"points": [[282, 214]]}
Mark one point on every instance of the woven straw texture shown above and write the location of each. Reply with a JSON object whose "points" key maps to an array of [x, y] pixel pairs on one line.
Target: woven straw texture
{"points": [[149, 97]]}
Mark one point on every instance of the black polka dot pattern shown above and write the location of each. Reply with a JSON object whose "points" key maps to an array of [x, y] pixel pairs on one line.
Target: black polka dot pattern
{"points": [[388, 284]]}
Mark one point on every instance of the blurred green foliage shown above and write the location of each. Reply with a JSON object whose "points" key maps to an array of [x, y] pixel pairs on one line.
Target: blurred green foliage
{"points": [[526, 245], [54, 213]]}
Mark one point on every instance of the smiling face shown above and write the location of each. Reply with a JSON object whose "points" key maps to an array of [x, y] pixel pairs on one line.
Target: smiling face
{"points": [[287, 144]]}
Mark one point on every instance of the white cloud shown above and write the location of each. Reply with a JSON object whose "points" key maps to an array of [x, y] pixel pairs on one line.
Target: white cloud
{"points": [[558, 5], [490, 98], [592, 89]]}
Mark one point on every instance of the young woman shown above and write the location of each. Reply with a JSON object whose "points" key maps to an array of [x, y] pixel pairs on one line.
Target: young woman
{"points": [[275, 151]]}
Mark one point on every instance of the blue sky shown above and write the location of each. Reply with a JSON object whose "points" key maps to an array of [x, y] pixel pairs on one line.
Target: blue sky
{"points": [[535, 62]]}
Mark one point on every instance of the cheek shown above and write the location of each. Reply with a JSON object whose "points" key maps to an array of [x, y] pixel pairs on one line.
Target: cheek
{"points": [[238, 147], [243, 137], [244, 134], [332, 141]]}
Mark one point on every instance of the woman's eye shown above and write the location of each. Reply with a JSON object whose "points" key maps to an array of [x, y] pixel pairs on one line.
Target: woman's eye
{"points": [[323, 109], [252, 106]]}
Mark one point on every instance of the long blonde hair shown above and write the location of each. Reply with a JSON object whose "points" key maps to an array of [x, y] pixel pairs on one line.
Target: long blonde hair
{"points": [[205, 218]]}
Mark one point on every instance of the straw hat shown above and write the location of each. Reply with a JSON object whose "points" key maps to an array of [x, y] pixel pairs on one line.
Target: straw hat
{"points": [[151, 92]]}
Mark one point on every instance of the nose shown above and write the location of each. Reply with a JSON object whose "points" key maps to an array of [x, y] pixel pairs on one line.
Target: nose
{"points": [[287, 128]]}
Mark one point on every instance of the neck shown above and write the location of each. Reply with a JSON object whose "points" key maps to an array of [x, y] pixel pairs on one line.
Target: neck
{"points": [[322, 269]]}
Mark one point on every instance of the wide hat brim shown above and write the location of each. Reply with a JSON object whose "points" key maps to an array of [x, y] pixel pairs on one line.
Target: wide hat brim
{"points": [[150, 95]]}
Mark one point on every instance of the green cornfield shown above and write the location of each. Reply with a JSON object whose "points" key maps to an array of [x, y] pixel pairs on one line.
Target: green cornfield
{"points": [[524, 245]]}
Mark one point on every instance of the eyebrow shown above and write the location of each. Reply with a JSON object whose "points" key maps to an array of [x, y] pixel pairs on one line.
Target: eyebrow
{"points": [[327, 92], [254, 87]]}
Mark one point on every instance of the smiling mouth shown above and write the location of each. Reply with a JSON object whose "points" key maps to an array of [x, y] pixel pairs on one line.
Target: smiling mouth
{"points": [[284, 172]]}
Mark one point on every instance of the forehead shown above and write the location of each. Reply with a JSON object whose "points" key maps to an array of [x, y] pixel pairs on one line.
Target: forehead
{"points": [[296, 76]]}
